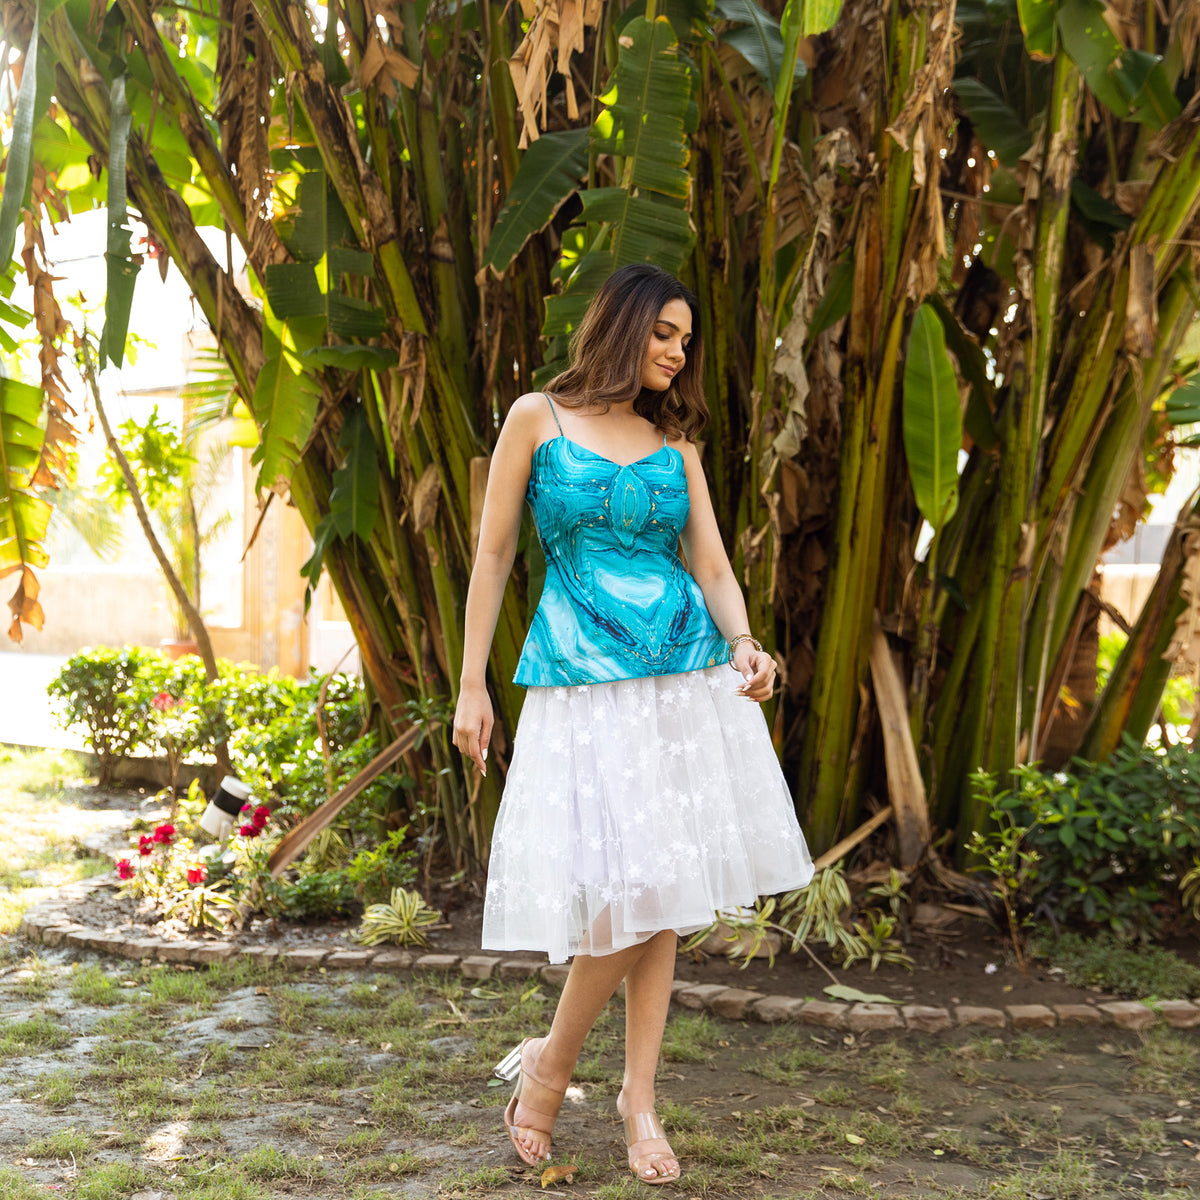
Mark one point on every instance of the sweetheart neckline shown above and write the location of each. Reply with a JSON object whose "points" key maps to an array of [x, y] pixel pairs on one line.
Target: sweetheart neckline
{"points": [[612, 462]]}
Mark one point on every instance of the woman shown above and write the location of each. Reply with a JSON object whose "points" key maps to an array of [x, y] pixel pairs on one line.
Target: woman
{"points": [[643, 794]]}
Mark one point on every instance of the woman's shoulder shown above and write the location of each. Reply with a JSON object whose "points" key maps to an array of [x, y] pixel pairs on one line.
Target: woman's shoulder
{"points": [[686, 447], [527, 417]]}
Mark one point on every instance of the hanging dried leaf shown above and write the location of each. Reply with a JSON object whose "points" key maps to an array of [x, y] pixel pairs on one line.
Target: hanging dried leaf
{"points": [[384, 66], [425, 499], [557, 30]]}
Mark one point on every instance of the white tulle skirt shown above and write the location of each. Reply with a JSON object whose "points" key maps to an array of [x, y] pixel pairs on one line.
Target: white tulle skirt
{"points": [[633, 807]]}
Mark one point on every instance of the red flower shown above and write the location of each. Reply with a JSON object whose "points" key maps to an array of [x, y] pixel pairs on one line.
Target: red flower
{"points": [[197, 874], [145, 844], [125, 868], [246, 807], [163, 701], [249, 831], [261, 813], [164, 834]]}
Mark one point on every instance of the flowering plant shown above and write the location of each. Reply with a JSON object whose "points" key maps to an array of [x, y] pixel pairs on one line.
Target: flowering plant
{"points": [[173, 875]]}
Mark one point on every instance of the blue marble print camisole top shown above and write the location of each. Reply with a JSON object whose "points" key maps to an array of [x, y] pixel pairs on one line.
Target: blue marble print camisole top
{"points": [[617, 602]]}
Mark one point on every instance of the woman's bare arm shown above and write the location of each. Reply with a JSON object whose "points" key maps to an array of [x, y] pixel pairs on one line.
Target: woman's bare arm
{"points": [[710, 567], [499, 529]]}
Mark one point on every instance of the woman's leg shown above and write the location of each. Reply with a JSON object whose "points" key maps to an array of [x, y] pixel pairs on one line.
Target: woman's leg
{"points": [[647, 1001], [589, 987]]}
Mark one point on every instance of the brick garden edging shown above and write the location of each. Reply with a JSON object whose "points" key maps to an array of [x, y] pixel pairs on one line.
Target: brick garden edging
{"points": [[50, 924]]}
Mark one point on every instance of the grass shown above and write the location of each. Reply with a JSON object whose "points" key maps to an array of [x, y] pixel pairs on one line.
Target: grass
{"points": [[1068, 1175], [61, 1144], [32, 1035], [270, 1163], [16, 1186], [365, 1141], [1168, 1063], [464, 1183], [91, 985], [168, 987], [35, 852], [33, 981], [54, 1090], [212, 1104], [690, 1038], [1103, 961], [390, 1166], [112, 1181]]}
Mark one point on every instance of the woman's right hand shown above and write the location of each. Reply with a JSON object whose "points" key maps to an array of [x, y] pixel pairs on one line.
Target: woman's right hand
{"points": [[473, 724]]}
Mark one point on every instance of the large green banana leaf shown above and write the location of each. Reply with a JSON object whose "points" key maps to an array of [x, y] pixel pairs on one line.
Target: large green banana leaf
{"points": [[932, 419]]}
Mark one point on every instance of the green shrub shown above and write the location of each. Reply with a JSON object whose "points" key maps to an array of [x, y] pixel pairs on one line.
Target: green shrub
{"points": [[292, 742], [97, 691], [1113, 839], [313, 895], [1102, 960]]}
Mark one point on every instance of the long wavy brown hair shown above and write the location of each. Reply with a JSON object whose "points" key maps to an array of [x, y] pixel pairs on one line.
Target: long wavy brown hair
{"points": [[608, 349]]}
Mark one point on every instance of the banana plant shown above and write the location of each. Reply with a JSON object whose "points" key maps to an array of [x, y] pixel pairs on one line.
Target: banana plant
{"points": [[868, 198]]}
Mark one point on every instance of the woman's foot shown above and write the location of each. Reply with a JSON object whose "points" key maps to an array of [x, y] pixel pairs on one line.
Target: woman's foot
{"points": [[534, 1106], [651, 1158]]}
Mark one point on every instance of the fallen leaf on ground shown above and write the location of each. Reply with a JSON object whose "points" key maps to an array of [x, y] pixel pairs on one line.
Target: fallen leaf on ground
{"points": [[843, 991], [564, 1173]]}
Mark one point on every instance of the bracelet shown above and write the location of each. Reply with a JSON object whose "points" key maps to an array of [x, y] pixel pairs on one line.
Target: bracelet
{"points": [[737, 641]]}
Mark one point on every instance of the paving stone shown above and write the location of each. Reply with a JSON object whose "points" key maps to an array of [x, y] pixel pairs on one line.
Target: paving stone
{"points": [[971, 1014], [826, 1013], [350, 960], [679, 985], [733, 1002], [211, 952], [55, 935], [146, 947], [775, 1009], [30, 928], [1078, 1014], [436, 962], [1180, 1014], [393, 960], [1129, 1014], [71, 935], [865, 1017], [264, 954], [520, 968], [105, 942], [926, 1018], [1031, 1016], [479, 966], [699, 994], [179, 951], [555, 974], [304, 958]]}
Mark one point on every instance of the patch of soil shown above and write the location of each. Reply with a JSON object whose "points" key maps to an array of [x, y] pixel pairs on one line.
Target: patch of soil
{"points": [[754, 1113]]}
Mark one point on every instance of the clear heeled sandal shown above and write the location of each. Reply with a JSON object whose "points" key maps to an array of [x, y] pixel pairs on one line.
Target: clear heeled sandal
{"points": [[538, 1100], [643, 1127]]}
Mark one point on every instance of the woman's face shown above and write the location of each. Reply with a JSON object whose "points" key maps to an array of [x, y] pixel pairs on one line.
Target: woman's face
{"points": [[667, 350]]}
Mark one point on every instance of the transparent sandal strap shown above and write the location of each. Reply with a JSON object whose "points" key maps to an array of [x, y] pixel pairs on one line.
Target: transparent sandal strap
{"points": [[640, 1127]]}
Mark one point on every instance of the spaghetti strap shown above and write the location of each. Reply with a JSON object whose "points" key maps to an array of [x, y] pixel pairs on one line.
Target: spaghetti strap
{"points": [[554, 413]]}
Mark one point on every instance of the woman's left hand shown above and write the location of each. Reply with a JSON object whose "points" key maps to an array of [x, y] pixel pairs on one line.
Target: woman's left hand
{"points": [[757, 669]]}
